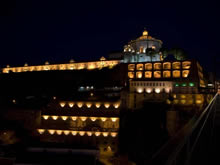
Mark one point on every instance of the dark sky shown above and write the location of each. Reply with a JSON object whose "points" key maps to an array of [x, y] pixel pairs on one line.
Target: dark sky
{"points": [[57, 31]]}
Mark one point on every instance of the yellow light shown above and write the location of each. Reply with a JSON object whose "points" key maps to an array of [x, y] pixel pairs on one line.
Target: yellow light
{"points": [[64, 117], [157, 90], [113, 134], [74, 118], [62, 104], [113, 119], [93, 118], [74, 133], [107, 105], [89, 133], [97, 133], [105, 134], [140, 90], [80, 104], [103, 119], [66, 132], [51, 131], [83, 118], [82, 133], [139, 74], [71, 104], [59, 132], [45, 117], [183, 101], [148, 90], [116, 105], [198, 101], [41, 131], [97, 105], [54, 117], [88, 105]]}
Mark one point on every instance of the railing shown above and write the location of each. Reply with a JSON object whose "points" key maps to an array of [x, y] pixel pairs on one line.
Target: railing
{"points": [[192, 144]]}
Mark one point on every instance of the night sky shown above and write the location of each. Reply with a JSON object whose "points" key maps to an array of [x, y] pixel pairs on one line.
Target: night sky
{"points": [[57, 31]]}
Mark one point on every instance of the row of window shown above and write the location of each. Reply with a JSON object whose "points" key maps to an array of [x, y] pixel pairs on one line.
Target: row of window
{"points": [[159, 66], [159, 74], [147, 84]]}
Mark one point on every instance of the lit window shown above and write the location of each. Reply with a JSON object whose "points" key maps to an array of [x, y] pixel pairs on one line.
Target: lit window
{"points": [[138, 74], [191, 84], [157, 74], [148, 74], [64, 117], [148, 66], [131, 74], [131, 67], [98, 105], [140, 67], [93, 118], [166, 74], [176, 65], [41, 131], [157, 66], [185, 73], [62, 104], [186, 64], [166, 65], [66, 132], [107, 105], [71, 104], [176, 73], [83, 118]]}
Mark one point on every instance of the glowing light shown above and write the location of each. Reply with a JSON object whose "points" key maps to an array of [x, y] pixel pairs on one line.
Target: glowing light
{"points": [[41, 131], [140, 90], [82, 133], [138, 74], [89, 133], [51, 131], [66, 132], [157, 90], [114, 119], [83, 118], [80, 104], [59, 132], [198, 101], [113, 134], [62, 104], [183, 101], [149, 90], [88, 105], [107, 105], [97, 105], [103, 119], [45, 117], [93, 118], [54, 117], [74, 133], [71, 104], [97, 133], [74, 118], [64, 117], [116, 105], [191, 84], [105, 134]]}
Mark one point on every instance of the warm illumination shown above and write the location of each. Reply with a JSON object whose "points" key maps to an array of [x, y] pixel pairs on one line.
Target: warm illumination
{"points": [[130, 74], [64, 117], [83, 118], [80, 104], [114, 119], [97, 105], [139, 90], [107, 105], [105, 134], [167, 65], [116, 105], [157, 74], [71, 104], [166, 74], [82, 133], [113, 134], [62, 104], [51, 131], [45, 117], [185, 73], [131, 67], [148, 74], [157, 66], [74, 118], [176, 73], [54, 117], [59, 132], [89, 133], [88, 105], [66, 132], [103, 119], [41, 131], [97, 133], [157, 90], [138, 74], [140, 67], [93, 118], [149, 90], [145, 33], [176, 65], [186, 64], [74, 133], [148, 66]]}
